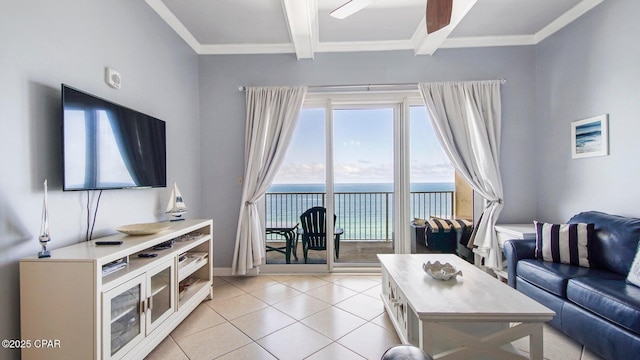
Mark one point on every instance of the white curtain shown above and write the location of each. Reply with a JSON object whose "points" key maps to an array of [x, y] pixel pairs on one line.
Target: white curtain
{"points": [[466, 117], [272, 113]]}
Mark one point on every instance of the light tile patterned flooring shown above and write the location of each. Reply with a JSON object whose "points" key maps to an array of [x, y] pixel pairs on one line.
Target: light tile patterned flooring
{"points": [[302, 317]]}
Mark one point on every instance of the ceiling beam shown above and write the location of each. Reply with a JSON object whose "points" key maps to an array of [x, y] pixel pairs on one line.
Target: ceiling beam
{"points": [[302, 20], [177, 26], [428, 43], [349, 8]]}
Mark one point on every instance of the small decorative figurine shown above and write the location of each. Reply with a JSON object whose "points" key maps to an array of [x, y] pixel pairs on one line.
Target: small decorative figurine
{"points": [[176, 206], [44, 237]]}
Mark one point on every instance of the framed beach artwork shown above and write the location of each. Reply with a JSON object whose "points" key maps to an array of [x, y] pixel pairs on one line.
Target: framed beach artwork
{"points": [[590, 137]]}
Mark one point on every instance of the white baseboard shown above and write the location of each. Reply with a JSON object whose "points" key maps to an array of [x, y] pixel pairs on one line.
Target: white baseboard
{"points": [[219, 271]]}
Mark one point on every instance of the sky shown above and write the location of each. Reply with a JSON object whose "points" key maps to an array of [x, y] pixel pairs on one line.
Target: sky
{"points": [[362, 147]]}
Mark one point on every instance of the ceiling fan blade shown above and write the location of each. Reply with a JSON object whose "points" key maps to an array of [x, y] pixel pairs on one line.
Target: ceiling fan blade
{"points": [[349, 8], [438, 14]]}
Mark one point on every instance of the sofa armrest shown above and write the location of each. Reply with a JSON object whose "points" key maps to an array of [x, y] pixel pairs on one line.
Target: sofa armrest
{"points": [[515, 250]]}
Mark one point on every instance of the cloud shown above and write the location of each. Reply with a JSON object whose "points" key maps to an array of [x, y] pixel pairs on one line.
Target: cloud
{"points": [[364, 172], [361, 172], [308, 173], [425, 172]]}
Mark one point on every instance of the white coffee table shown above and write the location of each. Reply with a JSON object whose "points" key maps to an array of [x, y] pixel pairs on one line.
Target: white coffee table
{"points": [[473, 316]]}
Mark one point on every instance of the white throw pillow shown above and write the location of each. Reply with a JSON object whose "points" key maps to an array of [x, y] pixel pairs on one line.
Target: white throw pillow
{"points": [[634, 273]]}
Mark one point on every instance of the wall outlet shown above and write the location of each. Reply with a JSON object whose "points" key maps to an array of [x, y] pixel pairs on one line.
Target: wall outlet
{"points": [[240, 180]]}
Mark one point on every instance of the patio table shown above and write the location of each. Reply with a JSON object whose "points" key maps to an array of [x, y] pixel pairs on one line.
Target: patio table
{"points": [[288, 231]]}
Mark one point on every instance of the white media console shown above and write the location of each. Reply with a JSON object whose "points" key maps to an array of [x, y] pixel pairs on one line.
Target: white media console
{"points": [[106, 302]]}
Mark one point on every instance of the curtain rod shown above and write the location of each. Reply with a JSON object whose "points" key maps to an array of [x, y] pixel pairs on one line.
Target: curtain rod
{"points": [[243, 88]]}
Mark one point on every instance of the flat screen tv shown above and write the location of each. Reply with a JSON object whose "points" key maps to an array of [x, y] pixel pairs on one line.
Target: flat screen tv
{"points": [[109, 146]]}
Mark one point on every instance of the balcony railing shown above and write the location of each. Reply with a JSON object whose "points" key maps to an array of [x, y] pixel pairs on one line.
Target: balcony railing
{"points": [[363, 215]]}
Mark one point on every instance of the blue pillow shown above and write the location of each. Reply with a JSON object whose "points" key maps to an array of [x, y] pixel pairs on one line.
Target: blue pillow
{"points": [[564, 243]]}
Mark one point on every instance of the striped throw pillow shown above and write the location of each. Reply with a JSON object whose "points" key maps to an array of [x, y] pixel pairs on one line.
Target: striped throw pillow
{"points": [[439, 225], [564, 243]]}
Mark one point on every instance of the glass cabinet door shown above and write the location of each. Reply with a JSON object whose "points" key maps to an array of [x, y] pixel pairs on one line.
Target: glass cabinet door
{"points": [[161, 298], [123, 317]]}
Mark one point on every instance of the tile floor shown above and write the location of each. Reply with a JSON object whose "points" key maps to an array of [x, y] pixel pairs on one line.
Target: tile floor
{"points": [[302, 317]]}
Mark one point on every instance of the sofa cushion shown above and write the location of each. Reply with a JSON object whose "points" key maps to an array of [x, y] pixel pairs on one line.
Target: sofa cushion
{"points": [[615, 240], [553, 302], [553, 277], [613, 299], [564, 243], [598, 334]]}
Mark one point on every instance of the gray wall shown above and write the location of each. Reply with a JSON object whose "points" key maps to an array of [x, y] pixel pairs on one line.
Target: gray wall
{"points": [[223, 114], [590, 68], [44, 44]]}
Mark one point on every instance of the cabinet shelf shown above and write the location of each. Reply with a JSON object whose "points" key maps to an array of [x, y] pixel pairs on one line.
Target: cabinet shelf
{"points": [[194, 261], [138, 265], [114, 266], [191, 292], [123, 313]]}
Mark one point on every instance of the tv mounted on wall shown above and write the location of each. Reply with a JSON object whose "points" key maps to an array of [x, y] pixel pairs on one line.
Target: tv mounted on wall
{"points": [[109, 146]]}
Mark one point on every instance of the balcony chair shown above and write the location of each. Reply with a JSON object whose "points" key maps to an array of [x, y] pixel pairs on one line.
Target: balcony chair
{"points": [[314, 231]]}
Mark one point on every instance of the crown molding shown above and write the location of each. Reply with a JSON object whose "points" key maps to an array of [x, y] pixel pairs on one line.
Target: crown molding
{"points": [[565, 19], [304, 33], [231, 49], [488, 41], [355, 46], [522, 40]]}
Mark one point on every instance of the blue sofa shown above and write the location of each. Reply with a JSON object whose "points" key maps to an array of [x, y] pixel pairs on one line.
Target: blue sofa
{"points": [[594, 306]]}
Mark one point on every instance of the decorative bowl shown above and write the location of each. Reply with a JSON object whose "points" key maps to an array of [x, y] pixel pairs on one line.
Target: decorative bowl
{"points": [[143, 229], [441, 271]]}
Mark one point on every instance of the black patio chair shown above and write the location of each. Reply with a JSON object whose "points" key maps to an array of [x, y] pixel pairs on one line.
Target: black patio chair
{"points": [[314, 231]]}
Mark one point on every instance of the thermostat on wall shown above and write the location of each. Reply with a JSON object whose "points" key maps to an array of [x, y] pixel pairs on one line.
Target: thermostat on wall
{"points": [[112, 78]]}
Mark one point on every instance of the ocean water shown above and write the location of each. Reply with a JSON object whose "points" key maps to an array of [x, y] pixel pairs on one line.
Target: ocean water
{"points": [[364, 187], [364, 211]]}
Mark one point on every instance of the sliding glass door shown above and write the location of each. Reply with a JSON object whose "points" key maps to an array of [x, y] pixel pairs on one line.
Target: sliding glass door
{"points": [[363, 177], [299, 186], [373, 162]]}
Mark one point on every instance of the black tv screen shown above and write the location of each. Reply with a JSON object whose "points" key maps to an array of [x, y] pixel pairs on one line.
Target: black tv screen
{"points": [[109, 146]]}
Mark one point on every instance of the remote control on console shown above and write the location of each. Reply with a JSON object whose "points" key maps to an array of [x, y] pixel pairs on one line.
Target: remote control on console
{"points": [[115, 242]]}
